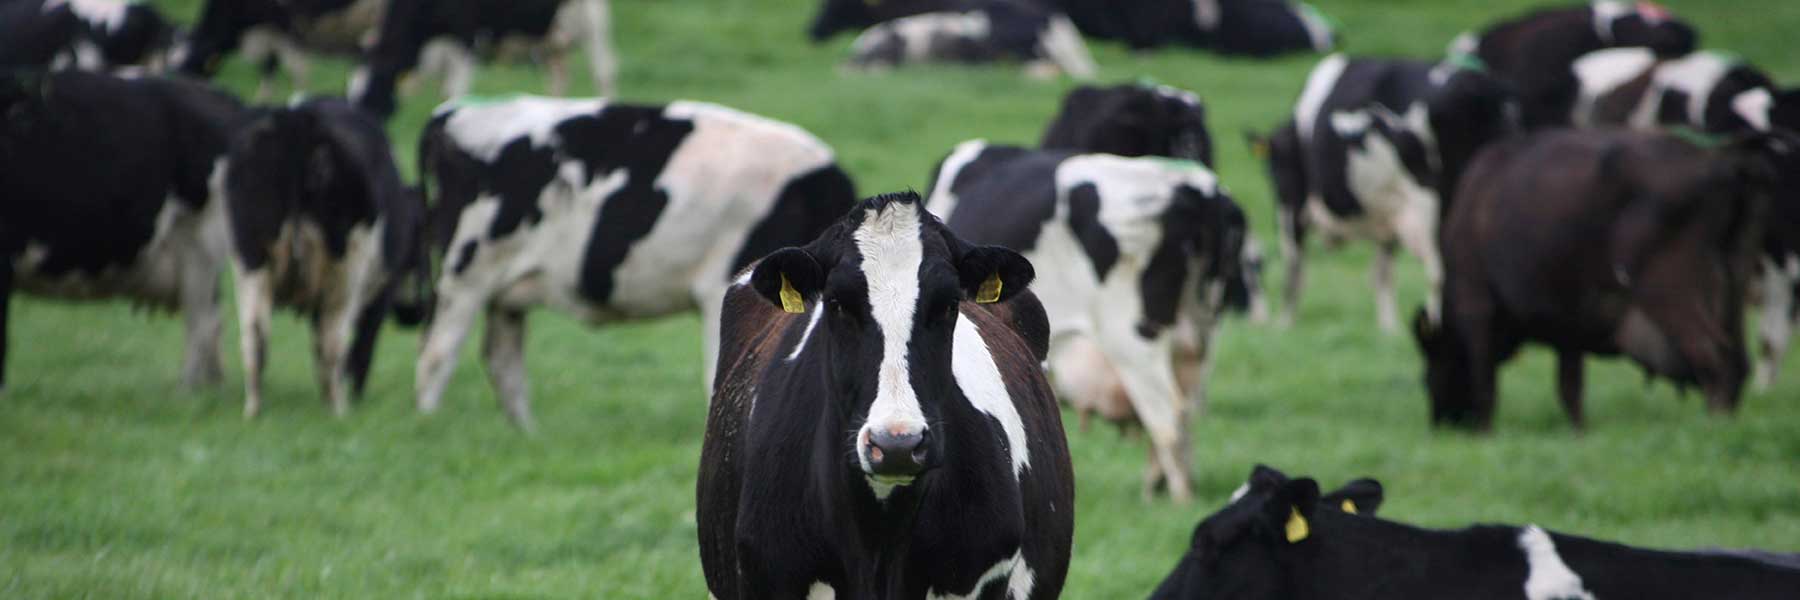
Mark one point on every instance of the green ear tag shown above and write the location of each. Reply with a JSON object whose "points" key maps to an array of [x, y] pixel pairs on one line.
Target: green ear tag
{"points": [[990, 290], [790, 298], [1296, 526]]}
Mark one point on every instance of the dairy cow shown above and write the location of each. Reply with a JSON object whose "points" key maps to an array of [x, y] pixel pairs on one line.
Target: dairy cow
{"points": [[447, 36], [319, 222], [1712, 94], [1131, 119], [1535, 52], [835, 16], [880, 427], [1258, 28], [1373, 150], [275, 33], [986, 32], [107, 197], [94, 35], [1135, 256], [607, 211], [1279, 538], [1597, 242]]}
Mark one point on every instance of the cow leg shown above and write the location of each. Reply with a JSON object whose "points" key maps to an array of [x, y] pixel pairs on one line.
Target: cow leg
{"points": [[597, 42], [711, 301], [362, 341], [332, 331], [1293, 248], [1418, 233], [504, 348], [1568, 385], [296, 63], [1387, 307], [450, 323], [1778, 315], [254, 298], [1145, 370], [459, 70], [558, 65], [200, 313]]}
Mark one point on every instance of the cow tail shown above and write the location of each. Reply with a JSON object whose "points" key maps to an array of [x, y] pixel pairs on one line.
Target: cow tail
{"points": [[414, 305]]}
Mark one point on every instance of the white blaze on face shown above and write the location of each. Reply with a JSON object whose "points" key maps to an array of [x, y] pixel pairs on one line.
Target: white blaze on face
{"points": [[1549, 578], [891, 254]]}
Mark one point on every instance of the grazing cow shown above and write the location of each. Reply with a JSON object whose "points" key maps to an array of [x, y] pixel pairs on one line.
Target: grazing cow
{"points": [[92, 35], [991, 31], [1535, 53], [1601, 242], [914, 451], [1278, 539], [607, 211], [1713, 94], [107, 197], [447, 35], [1259, 28], [1373, 152], [1136, 253], [844, 15], [319, 222], [1132, 120], [276, 32]]}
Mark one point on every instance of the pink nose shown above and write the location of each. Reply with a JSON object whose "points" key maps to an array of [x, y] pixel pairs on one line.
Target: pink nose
{"points": [[900, 454]]}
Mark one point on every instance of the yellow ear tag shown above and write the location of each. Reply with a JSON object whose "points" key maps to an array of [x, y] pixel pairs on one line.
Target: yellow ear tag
{"points": [[1296, 526], [790, 298], [990, 290], [1348, 506], [1260, 150]]}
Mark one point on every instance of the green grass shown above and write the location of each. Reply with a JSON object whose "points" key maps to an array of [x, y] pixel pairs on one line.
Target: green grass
{"points": [[114, 483]]}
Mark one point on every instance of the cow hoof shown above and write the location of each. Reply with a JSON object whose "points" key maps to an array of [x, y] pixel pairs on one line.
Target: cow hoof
{"points": [[250, 411]]}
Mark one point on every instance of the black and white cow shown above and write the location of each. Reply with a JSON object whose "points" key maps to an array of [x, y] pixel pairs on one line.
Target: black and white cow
{"points": [[993, 30], [1135, 254], [93, 35], [446, 37], [1535, 52], [880, 426], [1597, 242], [849, 15], [606, 211], [1373, 149], [1132, 119], [319, 222], [272, 33], [1279, 538], [107, 197], [1713, 94], [1242, 27]]}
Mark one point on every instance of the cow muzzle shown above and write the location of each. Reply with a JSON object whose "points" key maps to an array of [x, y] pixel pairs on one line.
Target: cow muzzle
{"points": [[895, 452]]}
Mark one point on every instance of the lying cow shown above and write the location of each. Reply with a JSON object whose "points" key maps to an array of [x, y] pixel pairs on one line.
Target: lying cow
{"points": [[913, 451], [835, 16], [1372, 152], [1135, 252], [1601, 242], [272, 33], [1257, 28], [990, 31], [1535, 52], [1278, 539], [606, 211], [92, 35], [1132, 119], [320, 223], [446, 36], [106, 197]]}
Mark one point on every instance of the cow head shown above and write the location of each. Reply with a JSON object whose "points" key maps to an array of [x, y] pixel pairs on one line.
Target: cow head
{"points": [[1467, 111], [885, 287], [1446, 371], [1133, 120], [1251, 548], [1645, 24]]}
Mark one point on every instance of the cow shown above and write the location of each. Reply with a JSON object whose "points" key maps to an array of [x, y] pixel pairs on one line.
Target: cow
{"points": [[991, 31], [1279, 538], [1256, 28], [1132, 119], [93, 35], [272, 33], [1711, 94], [319, 222], [846, 15], [1535, 53], [607, 211], [1141, 249], [446, 36], [1373, 151], [913, 451], [107, 197], [1596, 242]]}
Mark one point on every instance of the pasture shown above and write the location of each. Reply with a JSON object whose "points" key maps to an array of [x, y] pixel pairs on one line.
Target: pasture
{"points": [[116, 483]]}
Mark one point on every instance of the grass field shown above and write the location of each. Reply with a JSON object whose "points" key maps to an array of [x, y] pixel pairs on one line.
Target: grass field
{"points": [[115, 483]]}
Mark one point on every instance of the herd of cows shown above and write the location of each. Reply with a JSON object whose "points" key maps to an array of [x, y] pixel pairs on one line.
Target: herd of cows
{"points": [[885, 373]]}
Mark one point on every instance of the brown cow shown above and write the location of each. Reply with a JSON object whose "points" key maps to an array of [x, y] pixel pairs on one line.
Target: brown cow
{"points": [[1602, 242]]}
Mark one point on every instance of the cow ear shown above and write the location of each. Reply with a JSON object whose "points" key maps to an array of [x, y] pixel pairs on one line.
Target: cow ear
{"points": [[1360, 497], [789, 278], [992, 274], [1290, 509]]}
